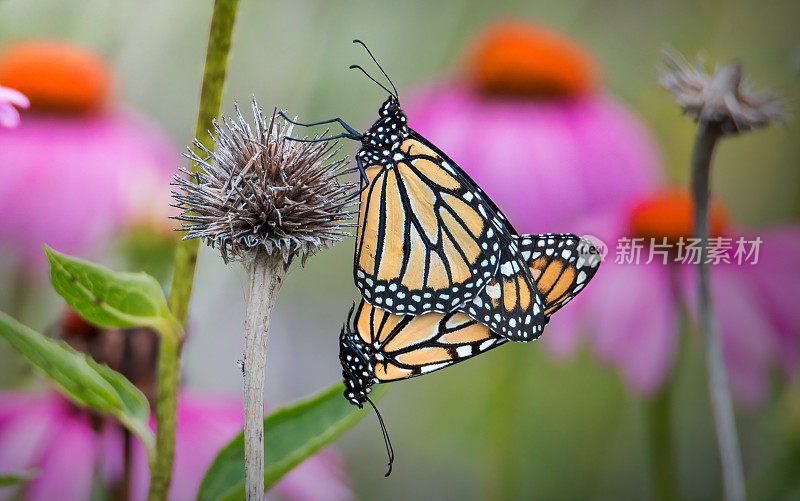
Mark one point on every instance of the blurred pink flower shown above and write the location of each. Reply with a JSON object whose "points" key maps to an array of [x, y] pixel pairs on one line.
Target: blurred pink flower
{"points": [[70, 448], [632, 313], [70, 182], [75, 170], [9, 98], [528, 124]]}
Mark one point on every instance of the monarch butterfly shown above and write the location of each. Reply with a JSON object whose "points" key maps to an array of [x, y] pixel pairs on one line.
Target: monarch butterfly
{"points": [[443, 274], [428, 238], [377, 346]]}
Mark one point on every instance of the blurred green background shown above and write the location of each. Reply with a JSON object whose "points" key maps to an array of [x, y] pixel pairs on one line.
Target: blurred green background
{"points": [[513, 423]]}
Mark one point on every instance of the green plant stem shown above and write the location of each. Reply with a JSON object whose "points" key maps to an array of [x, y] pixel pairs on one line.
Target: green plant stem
{"points": [[166, 403], [219, 44], [708, 134], [125, 482], [503, 432], [121, 489], [223, 20], [663, 473]]}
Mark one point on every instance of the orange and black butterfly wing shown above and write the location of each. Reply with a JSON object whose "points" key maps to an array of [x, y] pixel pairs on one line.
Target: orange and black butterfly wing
{"points": [[547, 272], [509, 228], [561, 264], [428, 238], [426, 343], [377, 346], [509, 304]]}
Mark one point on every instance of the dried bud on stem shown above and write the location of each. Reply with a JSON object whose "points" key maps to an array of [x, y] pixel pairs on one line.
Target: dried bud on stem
{"points": [[723, 98], [263, 198], [721, 103], [259, 190]]}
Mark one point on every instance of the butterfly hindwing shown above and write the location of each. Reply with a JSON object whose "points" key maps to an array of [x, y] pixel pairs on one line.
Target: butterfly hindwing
{"points": [[544, 273], [509, 304], [561, 264]]}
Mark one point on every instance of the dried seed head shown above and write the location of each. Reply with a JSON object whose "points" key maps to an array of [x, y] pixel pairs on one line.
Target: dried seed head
{"points": [[259, 190], [723, 98]]}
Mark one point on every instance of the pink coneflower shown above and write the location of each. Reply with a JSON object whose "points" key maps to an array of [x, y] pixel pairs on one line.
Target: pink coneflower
{"points": [[632, 317], [529, 122], [9, 98], [76, 167], [76, 451]]}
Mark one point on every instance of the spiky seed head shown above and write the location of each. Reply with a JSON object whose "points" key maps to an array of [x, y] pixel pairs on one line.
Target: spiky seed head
{"points": [[723, 98], [258, 189]]}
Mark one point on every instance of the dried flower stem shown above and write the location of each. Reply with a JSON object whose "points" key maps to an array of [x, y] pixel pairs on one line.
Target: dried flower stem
{"points": [[708, 133], [264, 200], [722, 103], [266, 274], [219, 43]]}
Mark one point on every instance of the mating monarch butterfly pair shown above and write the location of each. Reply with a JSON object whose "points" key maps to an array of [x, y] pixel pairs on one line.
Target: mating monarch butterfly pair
{"points": [[443, 274]]}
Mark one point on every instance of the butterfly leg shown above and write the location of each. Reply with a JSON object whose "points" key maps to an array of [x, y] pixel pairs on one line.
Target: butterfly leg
{"points": [[351, 131], [362, 173], [322, 139]]}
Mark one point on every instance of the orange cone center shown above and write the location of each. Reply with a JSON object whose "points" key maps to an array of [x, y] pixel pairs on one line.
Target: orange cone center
{"points": [[56, 77], [670, 214], [518, 59]]}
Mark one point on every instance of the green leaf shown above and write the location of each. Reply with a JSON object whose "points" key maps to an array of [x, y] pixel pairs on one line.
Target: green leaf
{"points": [[12, 479], [291, 435], [81, 379], [108, 298]]}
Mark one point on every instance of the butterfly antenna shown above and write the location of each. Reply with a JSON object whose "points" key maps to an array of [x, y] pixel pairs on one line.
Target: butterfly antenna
{"points": [[357, 67], [379, 67], [389, 449]]}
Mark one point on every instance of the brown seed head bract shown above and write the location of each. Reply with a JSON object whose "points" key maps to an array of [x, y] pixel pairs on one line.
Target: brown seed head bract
{"points": [[258, 189], [723, 97]]}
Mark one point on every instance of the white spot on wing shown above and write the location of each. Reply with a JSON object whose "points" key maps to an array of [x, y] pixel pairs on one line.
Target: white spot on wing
{"points": [[464, 351], [486, 344], [432, 367]]}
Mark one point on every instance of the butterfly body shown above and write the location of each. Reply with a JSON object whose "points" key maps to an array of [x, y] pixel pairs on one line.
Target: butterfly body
{"points": [[385, 136]]}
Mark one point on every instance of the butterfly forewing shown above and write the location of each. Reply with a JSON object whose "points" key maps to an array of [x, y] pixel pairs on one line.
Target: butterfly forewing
{"points": [[428, 238], [507, 229], [414, 345]]}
